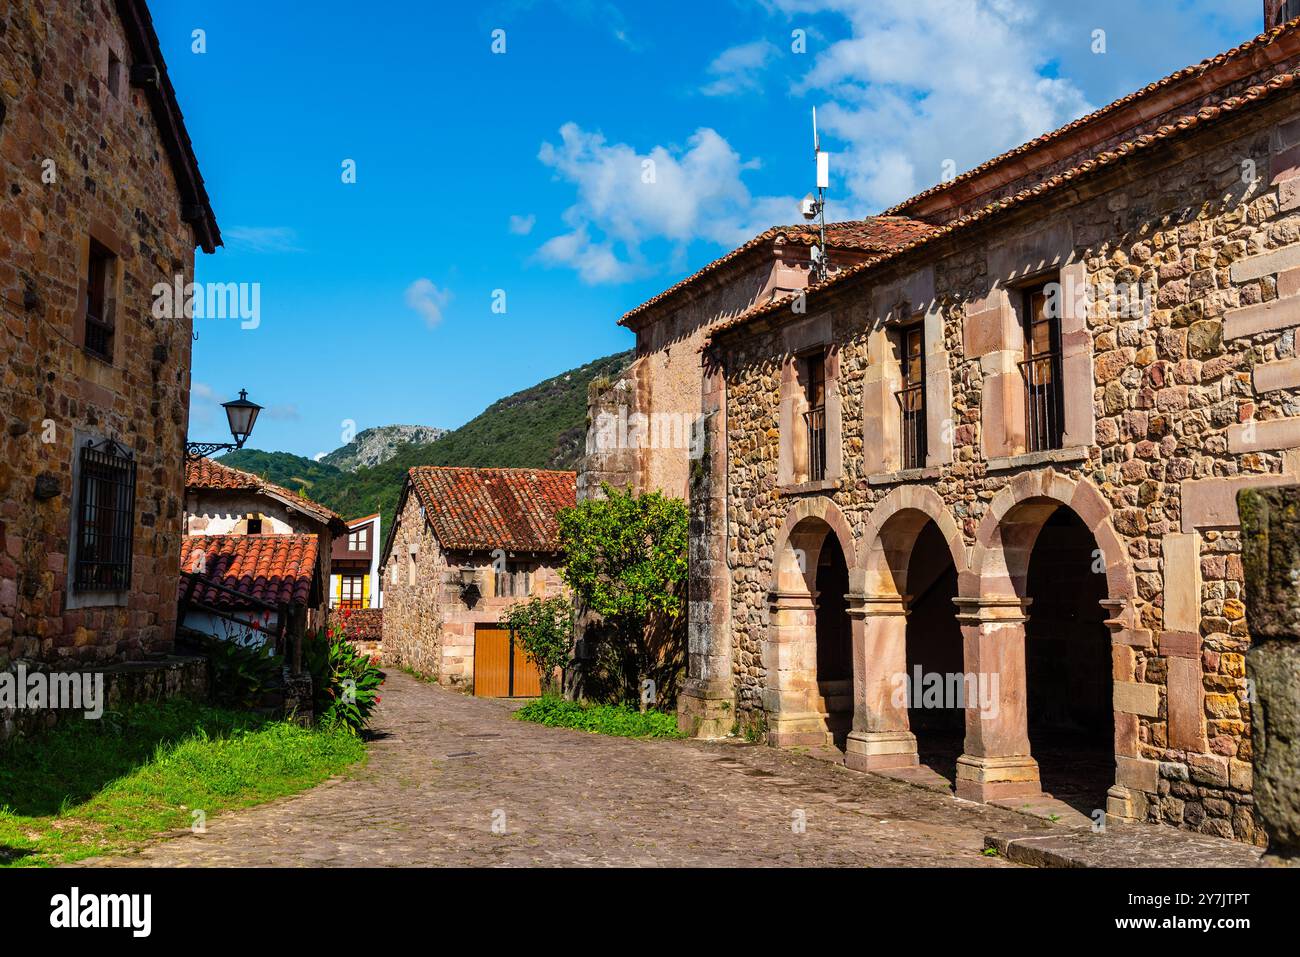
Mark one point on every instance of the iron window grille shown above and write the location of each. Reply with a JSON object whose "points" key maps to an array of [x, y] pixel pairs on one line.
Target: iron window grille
{"points": [[911, 399], [105, 518], [1041, 368], [815, 418]]}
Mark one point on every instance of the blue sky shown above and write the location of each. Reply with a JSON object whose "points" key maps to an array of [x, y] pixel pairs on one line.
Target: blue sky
{"points": [[526, 171]]}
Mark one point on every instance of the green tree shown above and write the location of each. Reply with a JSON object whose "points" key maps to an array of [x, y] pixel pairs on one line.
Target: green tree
{"points": [[625, 560], [544, 627]]}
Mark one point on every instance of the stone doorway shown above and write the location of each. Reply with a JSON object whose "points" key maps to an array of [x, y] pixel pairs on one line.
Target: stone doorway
{"points": [[809, 630], [834, 641], [1068, 664], [934, 652]]}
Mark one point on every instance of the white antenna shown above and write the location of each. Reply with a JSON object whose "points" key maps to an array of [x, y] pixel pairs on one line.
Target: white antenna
{"points": [[816, 208]]}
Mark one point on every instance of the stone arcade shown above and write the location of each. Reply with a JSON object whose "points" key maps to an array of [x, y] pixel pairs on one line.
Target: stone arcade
{"points": [[941, 458]]}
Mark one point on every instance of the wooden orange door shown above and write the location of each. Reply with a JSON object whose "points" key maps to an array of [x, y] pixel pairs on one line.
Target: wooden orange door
{"points": [[501, 669], [491, 662]]}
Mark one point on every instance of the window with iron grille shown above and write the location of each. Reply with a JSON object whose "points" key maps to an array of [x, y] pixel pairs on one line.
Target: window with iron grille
{"points": [[1041, 367], [911, 398], [815, 417], [99, 322], [105, 520]]}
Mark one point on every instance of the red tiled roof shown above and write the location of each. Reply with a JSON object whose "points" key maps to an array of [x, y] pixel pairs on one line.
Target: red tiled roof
{"points": [[1199, 87], [1095, 164], [213, 476], [874, 234], [275, 569], [481, 508]]}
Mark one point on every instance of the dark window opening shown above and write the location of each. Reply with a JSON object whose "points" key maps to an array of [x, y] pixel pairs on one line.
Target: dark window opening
{"points": [[114, 74], [254, 526], [815, 416], [105, 519], [99, 323], [911, 398], [1044, 397]]}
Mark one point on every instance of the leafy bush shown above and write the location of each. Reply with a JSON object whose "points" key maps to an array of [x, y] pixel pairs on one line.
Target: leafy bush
{"points": [[625, 560], [345, 683], [619, 720], [544, 627], [243, 669]]}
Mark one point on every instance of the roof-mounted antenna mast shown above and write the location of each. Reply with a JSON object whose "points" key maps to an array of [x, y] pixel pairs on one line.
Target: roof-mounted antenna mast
{"points": [[816, 208]]}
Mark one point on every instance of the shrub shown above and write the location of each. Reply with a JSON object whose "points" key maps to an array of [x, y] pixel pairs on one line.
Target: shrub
{"points": [[625, 560], [244, 669], [620, 720], [544, 627], [345, 683]]}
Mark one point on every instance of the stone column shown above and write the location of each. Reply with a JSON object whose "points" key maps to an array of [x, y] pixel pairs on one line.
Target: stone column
{"points": [[881, 737], [996, 763], [790, 657], [706, 703], [1270, 526]]}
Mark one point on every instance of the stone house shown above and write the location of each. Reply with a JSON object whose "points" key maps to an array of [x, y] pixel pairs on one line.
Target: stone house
{"points": [[224, 505], [970, 502], [466, 544], [102, 201]]}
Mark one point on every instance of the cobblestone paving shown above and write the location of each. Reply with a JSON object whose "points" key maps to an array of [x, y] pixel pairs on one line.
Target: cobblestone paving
{"points": [[447, 767]]}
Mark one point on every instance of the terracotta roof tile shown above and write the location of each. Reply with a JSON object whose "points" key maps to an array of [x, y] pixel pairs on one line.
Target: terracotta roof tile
{"points": [[481, 508], [874, 234], [275, 569], [1095, 164], [213, 476]]}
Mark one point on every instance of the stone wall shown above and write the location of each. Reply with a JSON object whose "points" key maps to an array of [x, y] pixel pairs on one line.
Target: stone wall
{"points": [[1179, 417], [78, 161]]}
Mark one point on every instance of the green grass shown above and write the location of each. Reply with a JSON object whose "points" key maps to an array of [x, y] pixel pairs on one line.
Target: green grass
{"points": [[89, 788], [619, 720]]}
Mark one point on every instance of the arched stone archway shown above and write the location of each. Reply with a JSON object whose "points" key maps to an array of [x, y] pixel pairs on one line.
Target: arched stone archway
{"points": [[881, 736], [792, 699], [997, 761]]}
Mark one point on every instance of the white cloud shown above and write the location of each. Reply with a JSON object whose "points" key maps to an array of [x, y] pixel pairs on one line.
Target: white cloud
{"points": [[283, 413], [522, 225], [264, 239], [738, 69], [626, 199], [916, 84], [428, 300]]}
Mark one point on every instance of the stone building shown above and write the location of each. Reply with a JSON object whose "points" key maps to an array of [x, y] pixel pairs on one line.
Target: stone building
{"points": [[225, 505], [102, 201], [970, 502], [466, 544]]}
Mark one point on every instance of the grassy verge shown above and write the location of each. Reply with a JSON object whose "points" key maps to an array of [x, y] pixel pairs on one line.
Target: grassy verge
{"points": [[101, 787], [616, 719]]}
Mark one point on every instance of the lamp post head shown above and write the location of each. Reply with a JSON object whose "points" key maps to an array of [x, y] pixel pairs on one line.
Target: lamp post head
{"points": [[241, 414]]}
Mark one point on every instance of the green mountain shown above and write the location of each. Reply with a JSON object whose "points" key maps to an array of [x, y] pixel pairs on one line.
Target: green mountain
{"points": [[543, 427]]}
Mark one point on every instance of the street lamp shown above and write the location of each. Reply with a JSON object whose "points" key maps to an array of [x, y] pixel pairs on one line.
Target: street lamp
{"points": [[241, 414]]}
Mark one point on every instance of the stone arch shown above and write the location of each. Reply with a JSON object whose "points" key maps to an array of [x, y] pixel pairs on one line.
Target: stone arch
{"points": [[891, 531], [1005, 537], [792, 698], [994, 602], [804, 532]]}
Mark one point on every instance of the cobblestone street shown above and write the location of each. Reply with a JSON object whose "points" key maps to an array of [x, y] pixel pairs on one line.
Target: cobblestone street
{"points": [[446, 767]]}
